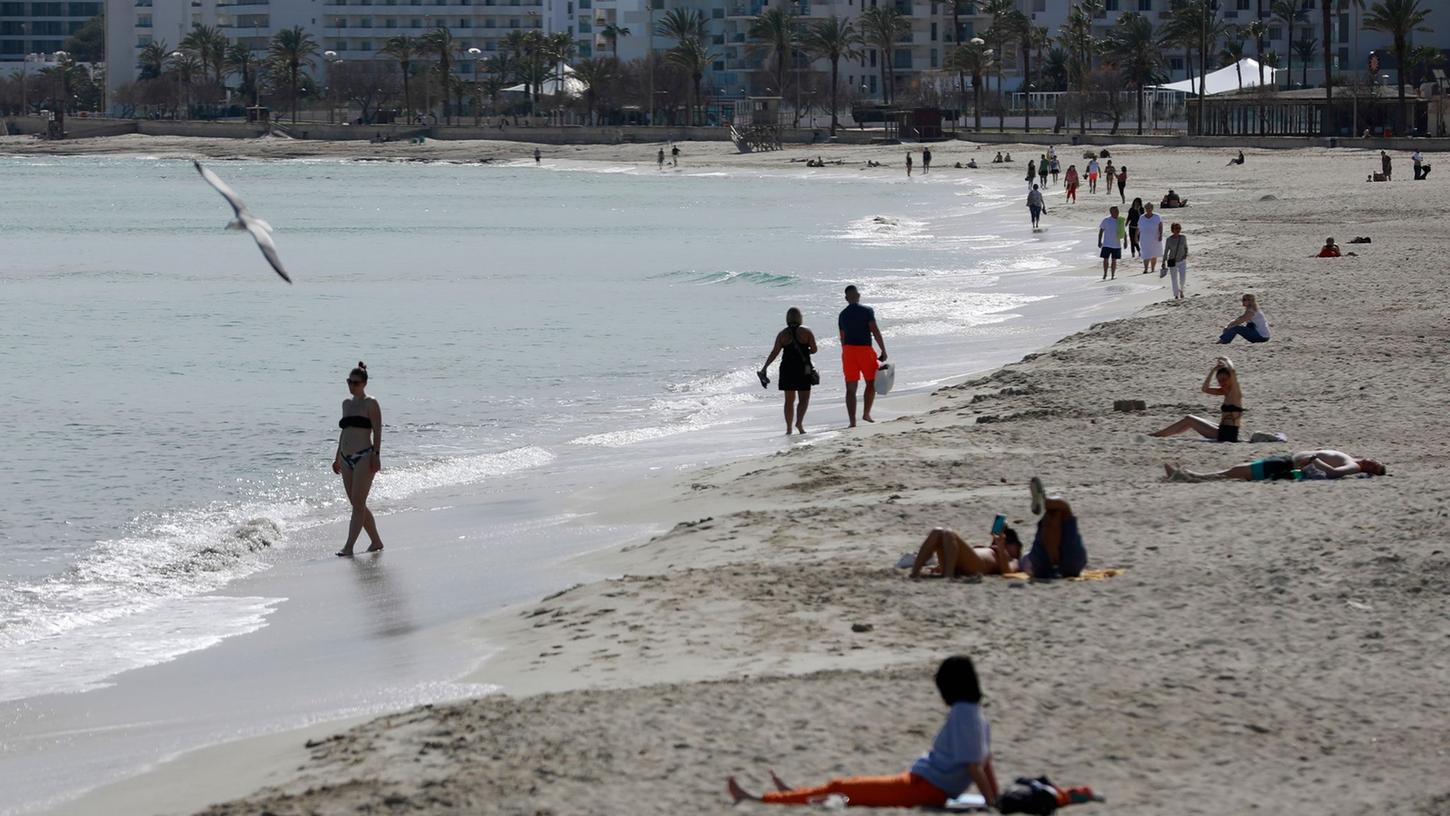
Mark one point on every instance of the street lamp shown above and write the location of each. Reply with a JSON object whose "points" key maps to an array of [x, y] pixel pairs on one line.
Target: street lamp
{"points": [[333, 60], [476, 52], [180, 95], [61, 58]]}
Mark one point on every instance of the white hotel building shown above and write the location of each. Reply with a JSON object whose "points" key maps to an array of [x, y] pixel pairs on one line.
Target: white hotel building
{"points": [[357, 29]]}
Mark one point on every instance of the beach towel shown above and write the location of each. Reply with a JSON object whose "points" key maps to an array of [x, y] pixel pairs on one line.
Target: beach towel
{"points": [[1087, 575]]}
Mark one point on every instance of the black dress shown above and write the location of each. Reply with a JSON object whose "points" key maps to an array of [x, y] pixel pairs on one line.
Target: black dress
{"points": [[793, 359]]}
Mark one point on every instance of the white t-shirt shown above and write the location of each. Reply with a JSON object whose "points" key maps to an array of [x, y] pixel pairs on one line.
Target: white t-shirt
{"points": [[1261, 323], [964, 739], [1109, 229]]}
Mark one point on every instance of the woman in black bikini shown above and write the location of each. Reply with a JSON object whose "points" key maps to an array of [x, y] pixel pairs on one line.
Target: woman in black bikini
{"points": [[795, 343], [359, 449], [1231, 413]]}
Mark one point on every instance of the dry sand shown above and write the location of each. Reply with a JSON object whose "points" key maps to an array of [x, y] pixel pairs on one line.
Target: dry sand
{"points": [[1272, 647]]}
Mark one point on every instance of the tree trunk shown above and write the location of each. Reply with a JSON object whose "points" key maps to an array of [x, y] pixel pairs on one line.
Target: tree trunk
{"points": [[1026, 85], [977, 101], [1140, 108], [1001, 102], [1401, 55], [835, 84], [407, 98], [292, 77]]}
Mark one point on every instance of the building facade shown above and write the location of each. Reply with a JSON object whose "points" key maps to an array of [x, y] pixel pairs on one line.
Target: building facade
{"points": [[39, 28]]}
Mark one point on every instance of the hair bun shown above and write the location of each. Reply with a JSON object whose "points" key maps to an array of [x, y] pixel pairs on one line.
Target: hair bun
{"points": [[362, 365]]}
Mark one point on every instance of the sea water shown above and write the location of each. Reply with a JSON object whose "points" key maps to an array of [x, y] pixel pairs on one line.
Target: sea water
{"points": [[171, 404]]}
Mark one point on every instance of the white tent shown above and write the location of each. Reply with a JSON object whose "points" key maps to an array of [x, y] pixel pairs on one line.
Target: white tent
{"points": [[572, 85], [1224, 80]]}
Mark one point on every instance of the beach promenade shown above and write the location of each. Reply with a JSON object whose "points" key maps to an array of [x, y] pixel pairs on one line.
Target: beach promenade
{"points": [[1267, 647]]}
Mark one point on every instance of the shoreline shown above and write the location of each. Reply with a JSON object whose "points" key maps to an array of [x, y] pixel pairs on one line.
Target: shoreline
{"points": [[771, 541]]}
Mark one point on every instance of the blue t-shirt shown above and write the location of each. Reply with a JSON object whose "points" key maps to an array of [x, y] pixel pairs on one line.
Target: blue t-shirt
{"points": [[965, 738], [855, 324]]}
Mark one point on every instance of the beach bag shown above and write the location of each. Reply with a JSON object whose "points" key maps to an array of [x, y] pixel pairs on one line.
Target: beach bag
{"points": [[885, 378], [811, 373], [1035, 796]]}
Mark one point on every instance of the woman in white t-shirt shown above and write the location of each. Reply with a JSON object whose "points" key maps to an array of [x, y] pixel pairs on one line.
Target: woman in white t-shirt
{"points": [[1150, 238], [1251, 325]]}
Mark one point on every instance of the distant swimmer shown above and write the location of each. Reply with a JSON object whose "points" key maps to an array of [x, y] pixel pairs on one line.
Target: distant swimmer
{"points": [[857, 325], [537, 155], [359, 457], [1312, 464]]}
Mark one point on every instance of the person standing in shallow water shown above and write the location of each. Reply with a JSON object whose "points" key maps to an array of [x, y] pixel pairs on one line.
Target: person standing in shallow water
{"points": [[795, 344], [857, 325], [359, 457]]}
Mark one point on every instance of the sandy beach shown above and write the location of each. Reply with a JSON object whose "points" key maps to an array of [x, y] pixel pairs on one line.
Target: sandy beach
{"points": [[1267, 647]]}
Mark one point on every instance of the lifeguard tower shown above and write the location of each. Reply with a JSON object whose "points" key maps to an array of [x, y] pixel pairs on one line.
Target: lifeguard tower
{"points": [[757, 124]]}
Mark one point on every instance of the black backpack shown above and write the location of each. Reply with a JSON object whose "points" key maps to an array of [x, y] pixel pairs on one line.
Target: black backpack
{"points": [[1035, 796]]}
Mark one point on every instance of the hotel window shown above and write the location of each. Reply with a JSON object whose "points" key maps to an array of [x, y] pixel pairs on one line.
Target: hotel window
{"points": [[365, 22], [934, 59], [143, 40], [143, 21], [717, 14], [933, 34], [1111, 5], [1276, 33], [390, 23]]}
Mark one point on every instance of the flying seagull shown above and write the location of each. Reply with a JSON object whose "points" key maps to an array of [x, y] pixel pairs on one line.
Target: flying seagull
{"points": [[261, 231]]}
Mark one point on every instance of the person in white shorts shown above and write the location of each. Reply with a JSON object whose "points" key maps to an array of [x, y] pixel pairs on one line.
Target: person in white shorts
{"points": [[1175, 255], [1150, 238]]}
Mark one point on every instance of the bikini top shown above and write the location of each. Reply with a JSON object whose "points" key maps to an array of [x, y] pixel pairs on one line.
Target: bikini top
{"points": [[355, 421]]}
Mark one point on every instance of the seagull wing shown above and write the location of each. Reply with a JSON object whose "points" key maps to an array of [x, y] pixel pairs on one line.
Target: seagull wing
{"points": [[221, 187], [263, 237]]}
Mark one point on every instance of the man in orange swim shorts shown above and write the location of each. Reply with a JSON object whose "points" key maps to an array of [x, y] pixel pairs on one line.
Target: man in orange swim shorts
{"points": [[858, 359]]}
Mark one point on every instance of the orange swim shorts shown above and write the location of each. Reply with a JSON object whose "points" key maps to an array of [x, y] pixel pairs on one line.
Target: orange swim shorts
{"points": [[858, 363]]}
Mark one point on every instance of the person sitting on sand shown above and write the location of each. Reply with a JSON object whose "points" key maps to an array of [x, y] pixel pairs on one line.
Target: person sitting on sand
{"points": [[816, 162], [1008, 159], [1239, 160], [960, 756], [955, 557], [1231, 413], [1331, 250], [972, 163], [1171, 201], [1312, 464], [1252, 325], [1057, 546], [998, 159]]}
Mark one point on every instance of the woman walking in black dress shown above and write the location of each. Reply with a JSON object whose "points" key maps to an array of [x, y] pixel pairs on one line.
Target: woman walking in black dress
{"points": [[795, 344]]}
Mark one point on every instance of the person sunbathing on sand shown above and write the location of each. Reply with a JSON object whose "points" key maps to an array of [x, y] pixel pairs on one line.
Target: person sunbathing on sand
{"points": [[1231, 413], [955, 557], [1312, 464], [960, 757], [1057, 547], [1331, 250]]}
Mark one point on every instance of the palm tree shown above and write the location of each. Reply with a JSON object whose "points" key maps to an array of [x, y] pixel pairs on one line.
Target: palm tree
{"points": [[1033, 38], [595, 74], [613, 32], [403, 49], [292, 48], [1007, 26], [777, 33], [209, 45], [1233, 53], [1305, 48], [152, 60], [441, 43], [1078, 41], [693, 57], [1399, 19], [881, 27], [239, 60], [1132, 46], [683, 24], [185, 65], [1055, 69], [974, 58], [559, 49], [834, 39], [1288, 13], [1328, 20], [1256, 31]]}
